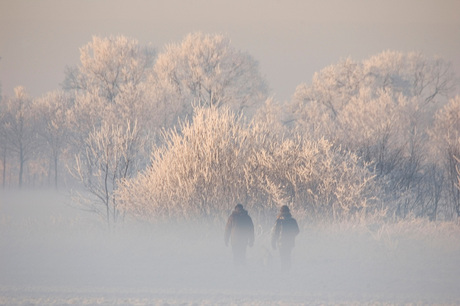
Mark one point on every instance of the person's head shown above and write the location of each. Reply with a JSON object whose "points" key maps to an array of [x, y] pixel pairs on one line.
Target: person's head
{"points": [[239, 207], [284, 209]]}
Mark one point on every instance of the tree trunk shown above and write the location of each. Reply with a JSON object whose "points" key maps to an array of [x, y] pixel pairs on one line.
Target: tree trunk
{"points": [[4, 169], [56, 172], [21, 167]]}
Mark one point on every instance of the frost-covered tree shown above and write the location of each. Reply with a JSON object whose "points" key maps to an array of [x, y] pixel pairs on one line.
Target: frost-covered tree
{"points": [[381, 129], [107, 64], [109, 86], [411, 74], [52, 114], [445, 135], [331, 88], [86, 114], [111, 153], [20, 128], [206, 70], [109, 83], [427, 83], [377, 127]]}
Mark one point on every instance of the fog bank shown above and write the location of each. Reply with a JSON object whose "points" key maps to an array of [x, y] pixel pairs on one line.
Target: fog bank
{"points": [[52, 253]]}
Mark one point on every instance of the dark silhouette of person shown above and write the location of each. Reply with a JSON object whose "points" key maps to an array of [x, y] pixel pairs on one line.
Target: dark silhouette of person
{"points": [[283, 236], [240, 230]]}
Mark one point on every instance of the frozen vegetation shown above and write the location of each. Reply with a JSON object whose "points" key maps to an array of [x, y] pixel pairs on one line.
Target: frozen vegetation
{"points": [[53, 254]]}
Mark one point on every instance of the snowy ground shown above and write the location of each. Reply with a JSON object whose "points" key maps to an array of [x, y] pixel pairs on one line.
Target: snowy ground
{"points": [[52, 254]]}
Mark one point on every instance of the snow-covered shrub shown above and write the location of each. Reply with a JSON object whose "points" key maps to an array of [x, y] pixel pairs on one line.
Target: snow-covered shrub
{"points": [[318, 180], [196, 173], [215, 161]]}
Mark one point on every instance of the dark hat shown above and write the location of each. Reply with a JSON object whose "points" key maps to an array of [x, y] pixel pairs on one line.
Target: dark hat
{"points": [[239, 206], [284, 209]]}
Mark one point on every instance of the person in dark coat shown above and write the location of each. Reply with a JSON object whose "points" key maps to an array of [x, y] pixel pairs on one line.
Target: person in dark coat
{"points": [[240, 230], [283, 235]]}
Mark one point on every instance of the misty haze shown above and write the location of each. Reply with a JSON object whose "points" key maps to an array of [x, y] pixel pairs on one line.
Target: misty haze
{"points": [[53, 254], [203, 165]]}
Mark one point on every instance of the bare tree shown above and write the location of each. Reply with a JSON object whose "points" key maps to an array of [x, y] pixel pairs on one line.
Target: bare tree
{"points": [[111, 154]]}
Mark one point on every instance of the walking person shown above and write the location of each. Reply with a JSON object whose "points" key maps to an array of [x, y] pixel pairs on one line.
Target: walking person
{"points": [[240, 230], [283, 236]]}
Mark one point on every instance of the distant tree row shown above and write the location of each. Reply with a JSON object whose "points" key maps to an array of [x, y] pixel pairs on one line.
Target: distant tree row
{"points": [[391, 111], [189, 131]]}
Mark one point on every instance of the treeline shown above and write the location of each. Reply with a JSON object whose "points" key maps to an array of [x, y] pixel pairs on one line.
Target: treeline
{"points": [[189, 131]]}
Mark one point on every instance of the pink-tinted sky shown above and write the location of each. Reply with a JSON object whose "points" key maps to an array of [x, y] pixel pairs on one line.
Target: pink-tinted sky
{"points": [[291, 39]]}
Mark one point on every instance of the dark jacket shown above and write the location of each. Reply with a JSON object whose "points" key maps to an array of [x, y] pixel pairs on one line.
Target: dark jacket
{"points": [[239, 228], [284, 231]]}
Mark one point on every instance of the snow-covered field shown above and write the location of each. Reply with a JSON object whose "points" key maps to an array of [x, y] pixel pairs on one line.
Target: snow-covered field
{"points": [[53, 254]]}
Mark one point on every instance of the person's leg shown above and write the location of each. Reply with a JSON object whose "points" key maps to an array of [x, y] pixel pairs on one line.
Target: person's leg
{"points": [[285, 256], [239, 255]]}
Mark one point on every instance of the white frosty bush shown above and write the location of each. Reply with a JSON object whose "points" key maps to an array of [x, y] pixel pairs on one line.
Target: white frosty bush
{"points": [[216, 160], [197, 172]]}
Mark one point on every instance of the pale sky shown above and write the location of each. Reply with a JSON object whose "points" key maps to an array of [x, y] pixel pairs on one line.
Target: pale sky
{"points": [[291, 39]]}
